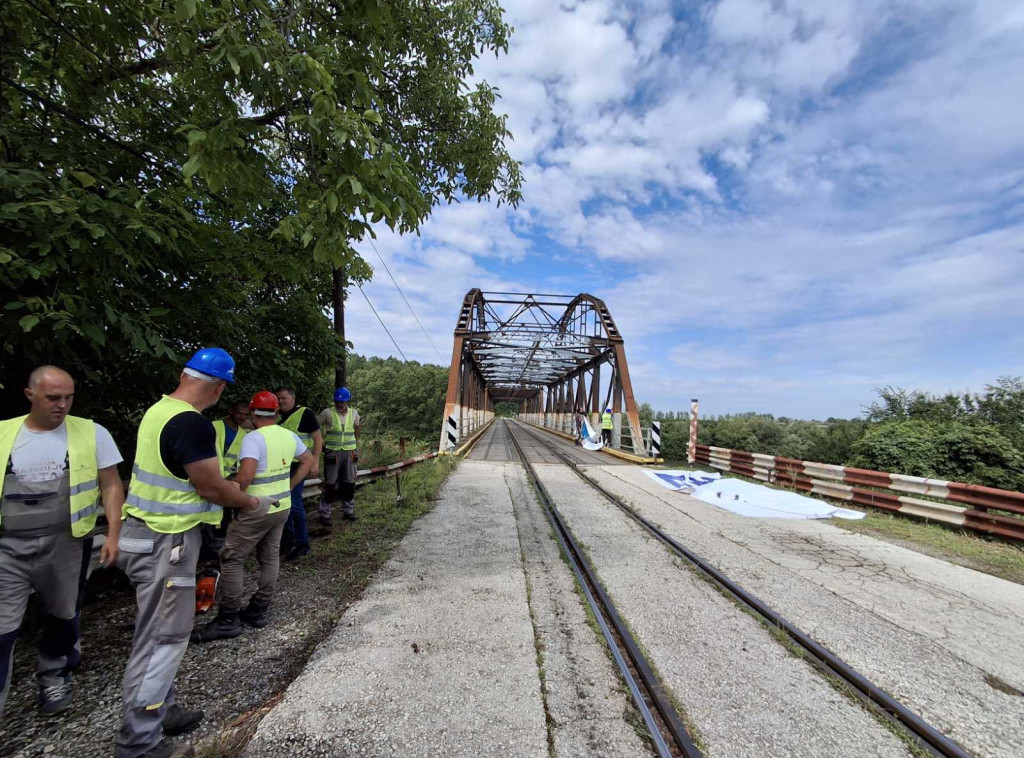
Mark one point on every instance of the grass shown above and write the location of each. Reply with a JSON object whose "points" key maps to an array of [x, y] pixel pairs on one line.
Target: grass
{"points": [[986, 554]]}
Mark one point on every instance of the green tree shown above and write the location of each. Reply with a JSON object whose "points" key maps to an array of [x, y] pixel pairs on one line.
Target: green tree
{"points": [[189, 173], [397, 398]]}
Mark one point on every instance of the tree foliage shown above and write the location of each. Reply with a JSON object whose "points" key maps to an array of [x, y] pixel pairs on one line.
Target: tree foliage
{"points": [[396, 398], [179, 174]]}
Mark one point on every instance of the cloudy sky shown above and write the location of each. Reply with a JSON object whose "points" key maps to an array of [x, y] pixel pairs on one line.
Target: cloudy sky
{"points": [[784, 203]]}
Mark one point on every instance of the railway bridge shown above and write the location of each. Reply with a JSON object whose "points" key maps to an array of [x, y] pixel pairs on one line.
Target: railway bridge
{"points": [[550, 354]]}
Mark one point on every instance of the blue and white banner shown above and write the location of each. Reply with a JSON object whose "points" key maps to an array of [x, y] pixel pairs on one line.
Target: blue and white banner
{"points": [[591, 437]]}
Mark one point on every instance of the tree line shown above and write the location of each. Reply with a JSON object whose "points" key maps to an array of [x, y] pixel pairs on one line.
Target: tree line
{"points": [[976, 438], [175, 175]]}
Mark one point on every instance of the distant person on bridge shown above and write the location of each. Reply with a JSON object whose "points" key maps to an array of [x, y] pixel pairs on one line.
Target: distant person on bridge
{"points": [[57, 468], [607, 425], [577, 419], [341, 437], [264, 470], [302, 421], [177, 485]]}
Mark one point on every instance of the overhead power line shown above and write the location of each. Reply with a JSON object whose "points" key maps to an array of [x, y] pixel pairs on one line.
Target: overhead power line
{"points": [[382, 323], [407, 303]]}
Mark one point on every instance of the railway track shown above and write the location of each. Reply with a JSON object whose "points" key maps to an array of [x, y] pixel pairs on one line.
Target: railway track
{"points": [[927, 737], [668, 732]]}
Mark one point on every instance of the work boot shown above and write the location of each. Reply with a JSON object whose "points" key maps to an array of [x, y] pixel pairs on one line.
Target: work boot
{"points": [[54, 693], [179, 720], [297, 552], [255, 615], [349, 517], [225, 626], [166, 748]]}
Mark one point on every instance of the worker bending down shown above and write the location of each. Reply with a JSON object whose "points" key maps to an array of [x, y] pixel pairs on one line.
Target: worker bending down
{"points": [[265, 461]]}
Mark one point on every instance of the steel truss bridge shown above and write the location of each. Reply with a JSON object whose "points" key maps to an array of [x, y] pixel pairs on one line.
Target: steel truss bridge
{"points": [[551, 354]]}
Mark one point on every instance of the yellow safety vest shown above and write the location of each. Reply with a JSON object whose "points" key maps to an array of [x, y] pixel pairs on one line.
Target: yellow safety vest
{"points": [[166, 503], [606, 421], [275, 480], [228, 458], [339, 436], [292, 425], [84, 476]]}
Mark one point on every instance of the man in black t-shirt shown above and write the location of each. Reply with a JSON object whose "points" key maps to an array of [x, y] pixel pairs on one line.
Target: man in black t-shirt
{"points": [[302, 421]]}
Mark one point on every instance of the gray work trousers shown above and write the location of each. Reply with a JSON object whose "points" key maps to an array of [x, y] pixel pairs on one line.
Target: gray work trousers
{"points": [[339, 483], [53, 567], [162, 568], [246, 533]]}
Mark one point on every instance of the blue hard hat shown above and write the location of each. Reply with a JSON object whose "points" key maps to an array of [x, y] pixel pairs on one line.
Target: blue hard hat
{"points": [[342, 395], [607, 410], [215, 362]]}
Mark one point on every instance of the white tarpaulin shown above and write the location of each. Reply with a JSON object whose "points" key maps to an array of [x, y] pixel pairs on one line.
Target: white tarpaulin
{"points": [[749, 499], [591, 437]]}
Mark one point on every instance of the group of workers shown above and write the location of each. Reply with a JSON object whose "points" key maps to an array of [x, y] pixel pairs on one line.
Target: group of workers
{"points": [[60, 470]]}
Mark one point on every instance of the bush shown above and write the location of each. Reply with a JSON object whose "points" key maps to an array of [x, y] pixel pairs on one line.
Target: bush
{"points": [[969, 452]]}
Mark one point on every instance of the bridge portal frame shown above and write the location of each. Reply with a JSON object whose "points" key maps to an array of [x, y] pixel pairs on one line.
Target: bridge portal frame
{"points": [[546, 352]]}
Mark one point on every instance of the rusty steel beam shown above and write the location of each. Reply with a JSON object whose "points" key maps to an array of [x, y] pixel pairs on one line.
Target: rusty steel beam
{"points": [[543, 351]]}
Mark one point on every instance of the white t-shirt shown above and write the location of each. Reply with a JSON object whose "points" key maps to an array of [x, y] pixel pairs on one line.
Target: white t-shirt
{"points": [[255, 446], [38, 457]]}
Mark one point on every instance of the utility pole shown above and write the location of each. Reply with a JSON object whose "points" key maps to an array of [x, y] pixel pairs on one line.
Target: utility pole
{"points": [[339, 325]]}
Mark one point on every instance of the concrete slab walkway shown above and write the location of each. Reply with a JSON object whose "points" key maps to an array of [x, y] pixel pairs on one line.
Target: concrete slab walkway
{"points": [[942, 638], [441, 657]]}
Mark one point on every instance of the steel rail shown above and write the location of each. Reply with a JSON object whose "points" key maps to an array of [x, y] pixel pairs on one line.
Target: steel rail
{"points": [[603, 606], [925, 734]]}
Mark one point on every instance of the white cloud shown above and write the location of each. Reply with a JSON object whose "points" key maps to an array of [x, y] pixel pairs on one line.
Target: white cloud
{"points": [[794, 201]]}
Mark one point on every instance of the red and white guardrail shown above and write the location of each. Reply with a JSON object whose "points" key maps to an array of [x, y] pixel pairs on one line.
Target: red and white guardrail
{"points": [[969, 506]]}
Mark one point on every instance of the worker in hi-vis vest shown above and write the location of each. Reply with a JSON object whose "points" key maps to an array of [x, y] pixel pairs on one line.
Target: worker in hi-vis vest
{"points": [[230, 433], [177, 484], [302, 421], [57, 471], [606, 426], [264, 469], [342, 426]]}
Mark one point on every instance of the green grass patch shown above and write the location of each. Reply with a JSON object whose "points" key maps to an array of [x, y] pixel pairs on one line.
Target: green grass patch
{"points": [[987, 554]]}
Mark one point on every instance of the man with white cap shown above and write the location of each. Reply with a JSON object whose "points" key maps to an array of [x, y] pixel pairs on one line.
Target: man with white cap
{"points": [[177, 485]]}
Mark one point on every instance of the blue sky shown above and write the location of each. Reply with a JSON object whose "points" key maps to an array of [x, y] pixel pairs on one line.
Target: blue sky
{"points": [[784, 203]]}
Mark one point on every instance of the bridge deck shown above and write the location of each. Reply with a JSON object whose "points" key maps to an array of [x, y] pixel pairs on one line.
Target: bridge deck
{"points": [[472, 641], [495, 445]]}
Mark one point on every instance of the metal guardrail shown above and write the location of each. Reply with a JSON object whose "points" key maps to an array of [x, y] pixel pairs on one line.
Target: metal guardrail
{"points": [[313, 487], [969, 506]]}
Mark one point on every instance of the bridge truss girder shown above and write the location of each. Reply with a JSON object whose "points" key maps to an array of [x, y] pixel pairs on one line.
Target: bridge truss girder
{"points": [[545, 352]]}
